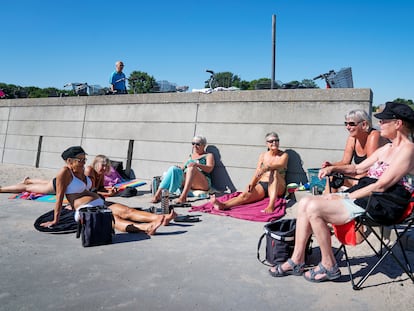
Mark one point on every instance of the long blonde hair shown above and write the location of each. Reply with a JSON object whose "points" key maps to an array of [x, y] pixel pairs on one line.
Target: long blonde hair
{"points": [[104, 160]]}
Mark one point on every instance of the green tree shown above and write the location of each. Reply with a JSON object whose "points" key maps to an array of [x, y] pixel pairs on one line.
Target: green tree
{"points": [[225, 79], [408, 102], [140, 82], [309, 84]]}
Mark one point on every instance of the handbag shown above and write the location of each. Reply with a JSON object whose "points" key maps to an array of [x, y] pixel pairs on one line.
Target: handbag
{"points": [[385, 208], [95, 226], [280, 241]]}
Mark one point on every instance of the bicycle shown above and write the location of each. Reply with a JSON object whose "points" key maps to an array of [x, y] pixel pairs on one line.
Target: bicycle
{"points": [[212, 82], [327, 77], [80, 89]]}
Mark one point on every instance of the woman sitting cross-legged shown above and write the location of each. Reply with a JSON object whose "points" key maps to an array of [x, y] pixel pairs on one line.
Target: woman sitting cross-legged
{"points": [[267, 181], [72, 182], [390, 168]]}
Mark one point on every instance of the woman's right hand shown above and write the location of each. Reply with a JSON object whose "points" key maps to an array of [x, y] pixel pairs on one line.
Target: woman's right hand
{"points": [[48, 224], [324, 172], [326, 164]]}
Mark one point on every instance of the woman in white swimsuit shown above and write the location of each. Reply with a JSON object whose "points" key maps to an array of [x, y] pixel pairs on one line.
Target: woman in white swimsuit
{"points": [[315, 212], [72, 182]]}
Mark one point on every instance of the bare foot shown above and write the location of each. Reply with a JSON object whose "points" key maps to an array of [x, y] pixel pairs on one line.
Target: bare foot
{"points": [[132, 229], [217, 204], [269, 209], [169, 217], [153, 226], [155, 200], [180, 200]]}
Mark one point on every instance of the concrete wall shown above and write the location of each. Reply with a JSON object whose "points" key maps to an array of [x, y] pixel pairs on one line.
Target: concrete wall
{"points": [[156, 129]]}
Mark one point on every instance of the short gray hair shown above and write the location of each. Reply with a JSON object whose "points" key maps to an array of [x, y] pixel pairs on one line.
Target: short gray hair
{"points": [[359, 115], [272, 134], [201, 138]]}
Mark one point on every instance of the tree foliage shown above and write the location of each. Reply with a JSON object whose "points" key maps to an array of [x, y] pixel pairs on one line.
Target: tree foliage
{"points": [[140, 82]]}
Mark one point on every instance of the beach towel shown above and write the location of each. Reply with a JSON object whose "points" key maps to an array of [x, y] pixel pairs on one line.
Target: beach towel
{"points": [[130, 183], [252, 211], [39, 197]]}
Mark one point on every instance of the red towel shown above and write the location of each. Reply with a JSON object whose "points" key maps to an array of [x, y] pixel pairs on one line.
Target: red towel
{"points": [[252, 211]]}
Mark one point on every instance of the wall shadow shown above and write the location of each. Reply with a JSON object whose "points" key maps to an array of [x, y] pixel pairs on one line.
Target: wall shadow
{"points": [[220, 178], [295, 172]]}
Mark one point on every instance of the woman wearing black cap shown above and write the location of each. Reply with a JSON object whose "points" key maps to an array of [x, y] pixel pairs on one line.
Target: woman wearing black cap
{"points": [[72, 183], [389, 168]]}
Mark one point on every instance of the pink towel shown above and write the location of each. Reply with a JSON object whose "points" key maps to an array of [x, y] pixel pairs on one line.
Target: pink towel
{"points": [[252, 211]]}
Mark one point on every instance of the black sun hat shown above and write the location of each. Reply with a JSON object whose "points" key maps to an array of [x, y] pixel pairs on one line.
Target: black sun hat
{"points": [[394, 110], [72, 152]]}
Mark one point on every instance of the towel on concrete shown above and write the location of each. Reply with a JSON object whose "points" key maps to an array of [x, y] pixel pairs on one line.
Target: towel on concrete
{"points": [[252, 211]]}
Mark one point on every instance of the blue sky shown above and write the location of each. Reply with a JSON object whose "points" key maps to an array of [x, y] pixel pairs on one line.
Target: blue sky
{"points": [[50, 43]]}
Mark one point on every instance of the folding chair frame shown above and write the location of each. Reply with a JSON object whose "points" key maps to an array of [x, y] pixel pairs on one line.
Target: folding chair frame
{"points": [[385, 250]]}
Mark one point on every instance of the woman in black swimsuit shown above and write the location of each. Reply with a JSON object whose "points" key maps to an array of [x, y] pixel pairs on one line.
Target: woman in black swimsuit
{"points": [[267, 181], [362, 141]]}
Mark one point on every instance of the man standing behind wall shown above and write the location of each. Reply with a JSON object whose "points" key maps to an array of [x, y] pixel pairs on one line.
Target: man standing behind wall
{"points": [[117, 79]]}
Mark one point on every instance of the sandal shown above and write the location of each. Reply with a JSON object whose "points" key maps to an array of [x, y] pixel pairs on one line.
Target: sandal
{"points": [[297, 269], [330, 275]]}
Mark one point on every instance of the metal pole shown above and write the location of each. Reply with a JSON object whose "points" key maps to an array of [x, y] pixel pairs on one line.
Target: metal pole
{"points": [[272, 82]]}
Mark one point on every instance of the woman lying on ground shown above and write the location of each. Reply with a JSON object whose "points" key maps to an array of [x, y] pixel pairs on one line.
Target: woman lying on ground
{"points": [[72, 182], [267, 181], [389, 166], [195, 174], [362, 141], [96, 172]]}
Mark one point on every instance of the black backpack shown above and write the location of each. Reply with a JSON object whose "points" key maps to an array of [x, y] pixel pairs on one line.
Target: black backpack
{"points": [[95, 226]]}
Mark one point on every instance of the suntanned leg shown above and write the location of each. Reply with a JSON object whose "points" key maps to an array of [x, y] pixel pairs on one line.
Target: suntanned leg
{"points": [[132, 227], [313, 215], [244, 198], [157, 197], [132, 214], [277, 188], [45, 188], [193, 179]]}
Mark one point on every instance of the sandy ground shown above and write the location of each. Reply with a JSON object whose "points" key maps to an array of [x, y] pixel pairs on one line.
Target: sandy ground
{"points": [[210, 265]]}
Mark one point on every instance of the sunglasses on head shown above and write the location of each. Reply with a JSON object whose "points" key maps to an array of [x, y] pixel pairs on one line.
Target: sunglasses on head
{"points": [[271, 141], [351, 123]]}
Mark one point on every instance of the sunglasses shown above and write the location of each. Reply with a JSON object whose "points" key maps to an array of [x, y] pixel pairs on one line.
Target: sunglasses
{"points": [[385, 121], [196, 144], [273, 141], [351, 123], [80, 160]]}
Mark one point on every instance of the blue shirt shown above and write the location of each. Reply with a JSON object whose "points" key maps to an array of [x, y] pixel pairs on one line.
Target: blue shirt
{"points": [[120, 85]]}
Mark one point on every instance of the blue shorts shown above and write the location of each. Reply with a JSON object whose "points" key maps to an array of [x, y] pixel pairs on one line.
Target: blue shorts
{"points": [[353, 209]]}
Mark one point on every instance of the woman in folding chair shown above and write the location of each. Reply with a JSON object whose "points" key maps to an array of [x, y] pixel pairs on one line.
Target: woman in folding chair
{"points": [[388, 166]]}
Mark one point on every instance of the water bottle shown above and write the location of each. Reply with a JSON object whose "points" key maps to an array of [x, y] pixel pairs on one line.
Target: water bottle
{"points": [[156, 180], [165, 201]]}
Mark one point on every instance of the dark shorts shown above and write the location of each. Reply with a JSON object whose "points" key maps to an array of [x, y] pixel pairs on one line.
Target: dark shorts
{"points": [[265, 186]]}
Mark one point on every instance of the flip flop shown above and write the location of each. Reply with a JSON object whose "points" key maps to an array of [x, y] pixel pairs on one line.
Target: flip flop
{"points": [[186, 218], [181, 205]]}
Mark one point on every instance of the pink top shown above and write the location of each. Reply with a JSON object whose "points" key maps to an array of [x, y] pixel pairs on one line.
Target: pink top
{"points": [[380, 167]]}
